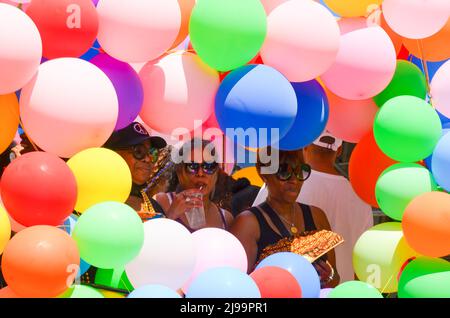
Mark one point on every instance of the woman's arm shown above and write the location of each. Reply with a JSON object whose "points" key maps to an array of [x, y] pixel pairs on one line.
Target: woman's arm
{"points": [[246, 229]]}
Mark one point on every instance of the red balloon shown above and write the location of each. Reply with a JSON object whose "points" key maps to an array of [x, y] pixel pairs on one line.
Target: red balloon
{"points": [[366, 165], [39, 188], [275, 282], [68, 28]]}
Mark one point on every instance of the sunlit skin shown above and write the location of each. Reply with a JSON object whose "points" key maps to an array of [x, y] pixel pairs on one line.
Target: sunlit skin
{"points": [[140, 169]]}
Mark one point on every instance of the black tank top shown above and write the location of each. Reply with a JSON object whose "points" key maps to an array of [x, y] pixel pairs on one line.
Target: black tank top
{"points": [[267, 235]]}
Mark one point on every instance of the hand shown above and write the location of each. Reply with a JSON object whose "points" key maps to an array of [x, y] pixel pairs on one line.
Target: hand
{"points": [[182, 202], [325, 271]]}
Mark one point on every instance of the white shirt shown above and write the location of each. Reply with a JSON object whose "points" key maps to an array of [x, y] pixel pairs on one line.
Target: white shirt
{"points": [[347, 214]]}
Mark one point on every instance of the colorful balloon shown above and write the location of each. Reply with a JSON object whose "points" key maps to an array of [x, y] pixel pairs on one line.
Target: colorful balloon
{"points": [[259, 99], [303, 271], [127, 85], [355, 289], [407, 129], [170, 262], [440, 89], [109, 235], [222, 41], [109, 278], [349, 77], [407, 80], [40, 261], [39, 188], [154, 291], [9, 119], [124, 30], [441, 160], [216, 248], [81, 291], [425, 277], [399, 185], [275, 282], [178, 90], [21, 51], [379, 254], [302, 40], [416, 19], [351, 8], [425, 224], [312, 116], [65, 114], [186, 7], [432, 67], [102, 175], [5, 229], [223, 282], [68, 27]]}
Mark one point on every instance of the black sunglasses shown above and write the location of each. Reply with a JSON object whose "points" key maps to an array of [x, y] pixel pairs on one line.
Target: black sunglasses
{"points": [[286, 171], [208, 168], [140, 152]]}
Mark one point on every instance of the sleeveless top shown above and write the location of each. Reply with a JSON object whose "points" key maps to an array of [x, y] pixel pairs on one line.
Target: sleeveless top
{"points": [[268, 236], [222, 215]]}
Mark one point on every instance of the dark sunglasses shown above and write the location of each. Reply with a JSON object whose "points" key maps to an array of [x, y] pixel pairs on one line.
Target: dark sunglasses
{"points": [[286, 171], [208, 168], [140, 152]]}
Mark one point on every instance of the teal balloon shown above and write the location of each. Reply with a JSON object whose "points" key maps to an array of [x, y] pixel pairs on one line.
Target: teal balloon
{"points": [[81, 291], [227, 34], [425, 277], [355, 289], [407, 129], [399, 184], [109, 235]]}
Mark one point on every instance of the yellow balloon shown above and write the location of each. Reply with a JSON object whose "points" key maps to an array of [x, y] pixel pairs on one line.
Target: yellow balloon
{"points": [[9, 119], [351, 8], [5, 229], [251, 174], [379, 254], [102, 175], [110, 294]]}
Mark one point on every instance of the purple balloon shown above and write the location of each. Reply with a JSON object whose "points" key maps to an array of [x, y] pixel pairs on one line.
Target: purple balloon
{"points": [[128, 87], [95, 2]]}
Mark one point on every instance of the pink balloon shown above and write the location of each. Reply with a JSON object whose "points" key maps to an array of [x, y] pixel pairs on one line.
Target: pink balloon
{"points": [[416, 19], [178, 90], [302, 40], [347, 25], [21, 49], [440, 89], [216, 248], [70, 105], [364, 66], [350, 120], [139, 31]]}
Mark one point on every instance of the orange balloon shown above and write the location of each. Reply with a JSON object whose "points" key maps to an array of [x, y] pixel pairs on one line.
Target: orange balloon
{"points": [[395, 38], [426, 224], [9, 119], [366, 165], [251, 174], [435, 48], [40, 261], [186, 7]]}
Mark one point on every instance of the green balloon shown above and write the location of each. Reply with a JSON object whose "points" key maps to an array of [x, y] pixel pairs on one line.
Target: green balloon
{"points": [[109, 235], [227, 34], [81, 291], [425, 277], [355, 289], [407, 129], [104, 277], [408, 80], [399, 184]]}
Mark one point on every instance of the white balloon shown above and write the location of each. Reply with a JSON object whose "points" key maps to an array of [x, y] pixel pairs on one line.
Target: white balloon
{"points": [[167, 257]]}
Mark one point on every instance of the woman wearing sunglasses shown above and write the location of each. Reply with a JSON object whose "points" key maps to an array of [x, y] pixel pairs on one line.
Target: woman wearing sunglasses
{"points": [[197, 177], [280, 216]]}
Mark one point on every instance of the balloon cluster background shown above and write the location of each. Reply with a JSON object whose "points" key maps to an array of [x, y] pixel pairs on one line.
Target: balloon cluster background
{"points": [[372, 72]]}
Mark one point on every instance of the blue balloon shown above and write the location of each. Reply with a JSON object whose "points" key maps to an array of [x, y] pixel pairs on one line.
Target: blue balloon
{"points": [[153, 291], [441, 162], [257, 98], [444, 119], [429, 160], [303, 271], [223, 282], [432, 66], [312, 116]]}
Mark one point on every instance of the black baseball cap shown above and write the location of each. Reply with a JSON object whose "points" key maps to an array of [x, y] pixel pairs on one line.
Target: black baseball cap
{"points": [[132, 135]]}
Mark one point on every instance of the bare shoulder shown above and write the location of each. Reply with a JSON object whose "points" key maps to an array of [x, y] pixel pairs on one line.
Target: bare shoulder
{"points": [[246, 222], [320, 218]]}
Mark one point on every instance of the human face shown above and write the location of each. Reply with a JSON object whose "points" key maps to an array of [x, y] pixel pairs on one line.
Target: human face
{"points": [[196, 173], [140, 160]]}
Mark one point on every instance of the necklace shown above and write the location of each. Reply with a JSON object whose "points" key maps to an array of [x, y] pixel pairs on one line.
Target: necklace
{"points": [[294, 229]]}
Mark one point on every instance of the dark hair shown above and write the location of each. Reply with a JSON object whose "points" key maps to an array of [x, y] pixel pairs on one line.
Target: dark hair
{"points": [[284, 156]]}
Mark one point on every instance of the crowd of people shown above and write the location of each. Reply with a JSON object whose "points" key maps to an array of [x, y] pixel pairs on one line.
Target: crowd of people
{"points": [[305, 194]]}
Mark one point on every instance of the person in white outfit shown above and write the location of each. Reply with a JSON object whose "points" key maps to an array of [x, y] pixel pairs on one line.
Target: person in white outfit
{"points": [[326, 189]]}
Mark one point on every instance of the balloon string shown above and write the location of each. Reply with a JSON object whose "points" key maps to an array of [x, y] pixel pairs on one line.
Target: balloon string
{"points": [[31, 141], [425, 69]]}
